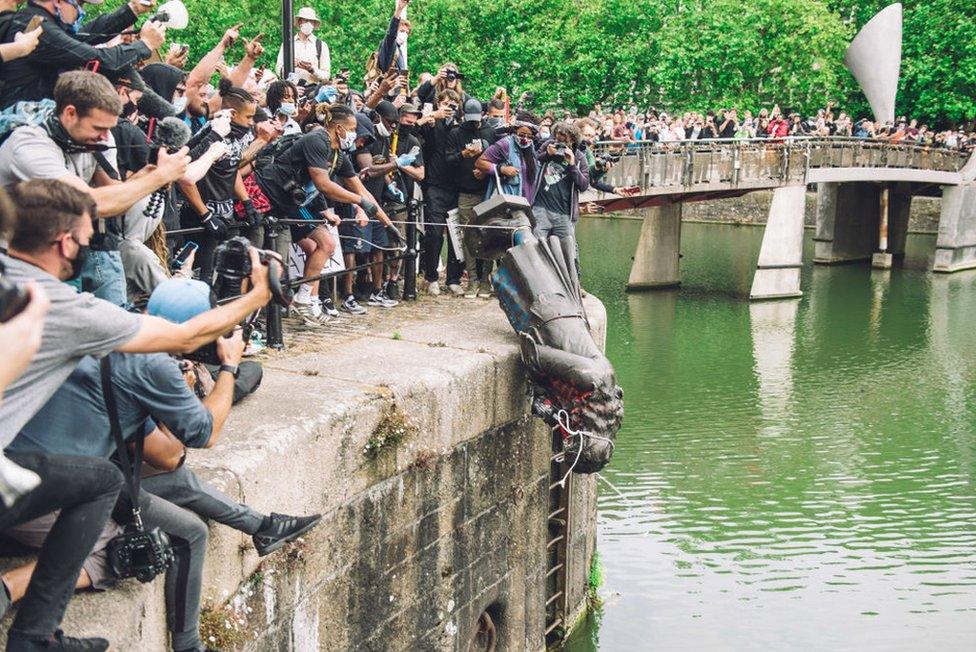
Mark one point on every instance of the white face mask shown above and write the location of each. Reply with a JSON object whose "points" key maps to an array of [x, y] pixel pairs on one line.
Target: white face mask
{"points": [[307, 29], [348, 142], [180, 104], [402, 38], [382, 130]]}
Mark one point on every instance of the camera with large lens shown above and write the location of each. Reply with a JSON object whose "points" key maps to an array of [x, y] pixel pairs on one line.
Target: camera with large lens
{"points": [[561, 150], [232, 264], [13, 298], [296, 192], [605, 160], [142, 554]]}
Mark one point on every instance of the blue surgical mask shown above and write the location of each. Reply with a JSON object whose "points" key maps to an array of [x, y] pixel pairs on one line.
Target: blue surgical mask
{"points": [[287, 108], [327, 93]]}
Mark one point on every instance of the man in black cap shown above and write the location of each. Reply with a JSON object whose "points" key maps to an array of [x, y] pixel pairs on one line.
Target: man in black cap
{"points": [[465, 144], [400, 162]]}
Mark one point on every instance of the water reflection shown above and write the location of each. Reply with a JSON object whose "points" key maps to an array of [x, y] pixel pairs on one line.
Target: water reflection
{"points": [[794, 475], [773, 325]]}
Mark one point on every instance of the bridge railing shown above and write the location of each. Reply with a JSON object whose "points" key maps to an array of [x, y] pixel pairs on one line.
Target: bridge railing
{"points": [[755, 163]]}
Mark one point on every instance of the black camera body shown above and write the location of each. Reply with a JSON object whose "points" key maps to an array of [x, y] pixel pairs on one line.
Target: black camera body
{"points": [[295, 191], [232, 264], [140, 554], [561, 149], [13, 298], [604, 161]]}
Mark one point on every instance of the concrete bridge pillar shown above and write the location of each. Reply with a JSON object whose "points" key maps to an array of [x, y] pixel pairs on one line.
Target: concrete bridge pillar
{"points": [[781, 256], [847, 222], [955, 248], [656, 262]]}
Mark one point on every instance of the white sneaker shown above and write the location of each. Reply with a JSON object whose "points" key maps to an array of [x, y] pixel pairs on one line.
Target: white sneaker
{"points": [[380, 300], [455, 289], [310, 313], [434, 289], [15, 481], [350, 305]]}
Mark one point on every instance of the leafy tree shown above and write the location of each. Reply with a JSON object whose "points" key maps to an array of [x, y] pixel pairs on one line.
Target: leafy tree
{"points": [[672, 54]]}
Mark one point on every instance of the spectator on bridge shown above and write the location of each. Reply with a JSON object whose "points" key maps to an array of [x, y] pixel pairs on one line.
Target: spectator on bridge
{"points": [[313, 61], [729, 124]]}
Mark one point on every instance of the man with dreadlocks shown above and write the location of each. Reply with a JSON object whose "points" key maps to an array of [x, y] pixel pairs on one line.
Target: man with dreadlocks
{"points": [[299, 181], [210, 201]]}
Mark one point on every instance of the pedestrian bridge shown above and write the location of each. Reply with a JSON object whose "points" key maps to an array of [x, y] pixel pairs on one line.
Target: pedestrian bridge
{"points": [[864, 191]]}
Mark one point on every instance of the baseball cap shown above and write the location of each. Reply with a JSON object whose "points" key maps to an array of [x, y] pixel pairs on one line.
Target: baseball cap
{"points": [[472, 110], [180, 299], [410, 108], [386, 110]]}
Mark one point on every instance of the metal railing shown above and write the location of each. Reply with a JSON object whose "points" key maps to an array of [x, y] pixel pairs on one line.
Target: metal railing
{"points": [[745, 163]]}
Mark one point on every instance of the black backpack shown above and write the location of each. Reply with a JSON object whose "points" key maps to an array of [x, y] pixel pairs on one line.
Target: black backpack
{"points": [[273, 151]]}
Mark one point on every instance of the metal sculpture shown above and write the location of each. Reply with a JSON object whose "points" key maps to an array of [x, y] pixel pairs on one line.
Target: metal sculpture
{"points": [[874, 58], [572, 383]]}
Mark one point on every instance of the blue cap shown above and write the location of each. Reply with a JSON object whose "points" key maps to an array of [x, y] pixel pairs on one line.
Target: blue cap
{"points": [[180, 299]]}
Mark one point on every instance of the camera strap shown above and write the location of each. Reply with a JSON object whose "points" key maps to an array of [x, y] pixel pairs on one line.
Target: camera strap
{"points": [[131, 469]]}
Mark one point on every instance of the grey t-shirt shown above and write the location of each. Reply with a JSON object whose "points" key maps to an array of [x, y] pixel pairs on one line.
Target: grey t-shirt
{"points": [[29, 153], [75, 420], [75, 326]]}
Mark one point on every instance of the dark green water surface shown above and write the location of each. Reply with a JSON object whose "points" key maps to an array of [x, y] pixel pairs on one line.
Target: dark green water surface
{"points": [[791, 475]]}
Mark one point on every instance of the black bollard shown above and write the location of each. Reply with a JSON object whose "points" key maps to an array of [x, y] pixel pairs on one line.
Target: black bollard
{"points": [[275, 339], [410, 262]]}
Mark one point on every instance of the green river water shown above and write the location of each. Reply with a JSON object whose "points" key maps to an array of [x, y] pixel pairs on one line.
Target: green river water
{"points": [[792, 475]]}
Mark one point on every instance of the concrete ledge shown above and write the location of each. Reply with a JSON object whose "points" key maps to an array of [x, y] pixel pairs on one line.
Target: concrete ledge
{"points": [[297, 447]]}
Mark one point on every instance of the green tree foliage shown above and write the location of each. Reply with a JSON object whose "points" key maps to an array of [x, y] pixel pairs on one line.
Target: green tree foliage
{"points": [[673, 54]]}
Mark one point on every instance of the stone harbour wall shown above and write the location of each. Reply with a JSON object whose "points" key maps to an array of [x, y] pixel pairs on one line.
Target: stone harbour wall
{"points": [[423, 532]]}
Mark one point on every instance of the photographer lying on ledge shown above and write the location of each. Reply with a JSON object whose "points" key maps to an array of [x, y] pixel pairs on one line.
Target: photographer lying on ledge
{"points": [[48, 246], [75, 422]]}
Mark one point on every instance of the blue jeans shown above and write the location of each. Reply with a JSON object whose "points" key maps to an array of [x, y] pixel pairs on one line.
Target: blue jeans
{"points": [[104, 276]]}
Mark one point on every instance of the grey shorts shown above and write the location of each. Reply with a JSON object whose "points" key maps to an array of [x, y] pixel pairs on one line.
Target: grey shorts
{"points": [[33, 533]]}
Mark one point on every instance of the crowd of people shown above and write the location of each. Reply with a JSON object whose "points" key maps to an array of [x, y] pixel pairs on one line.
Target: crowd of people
{"points": [[138, 188], [630, 125]]}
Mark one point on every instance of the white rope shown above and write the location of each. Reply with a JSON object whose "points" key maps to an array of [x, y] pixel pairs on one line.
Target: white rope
{"points": [[562, 419]]}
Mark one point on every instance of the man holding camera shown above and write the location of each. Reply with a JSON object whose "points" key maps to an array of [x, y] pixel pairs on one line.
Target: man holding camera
{"points": [[47, 247], [75, 422], [440, 193], [561, 180], [70, 146]]}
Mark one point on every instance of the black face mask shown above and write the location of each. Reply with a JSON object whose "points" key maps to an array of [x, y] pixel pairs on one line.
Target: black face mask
{"points": [[238, 131], [406, 130], [78, 262], [63, 139], [129, 108]]}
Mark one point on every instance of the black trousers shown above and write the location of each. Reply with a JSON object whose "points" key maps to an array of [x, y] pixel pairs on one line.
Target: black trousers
{"points": [[438, 201], [85, 490]]}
